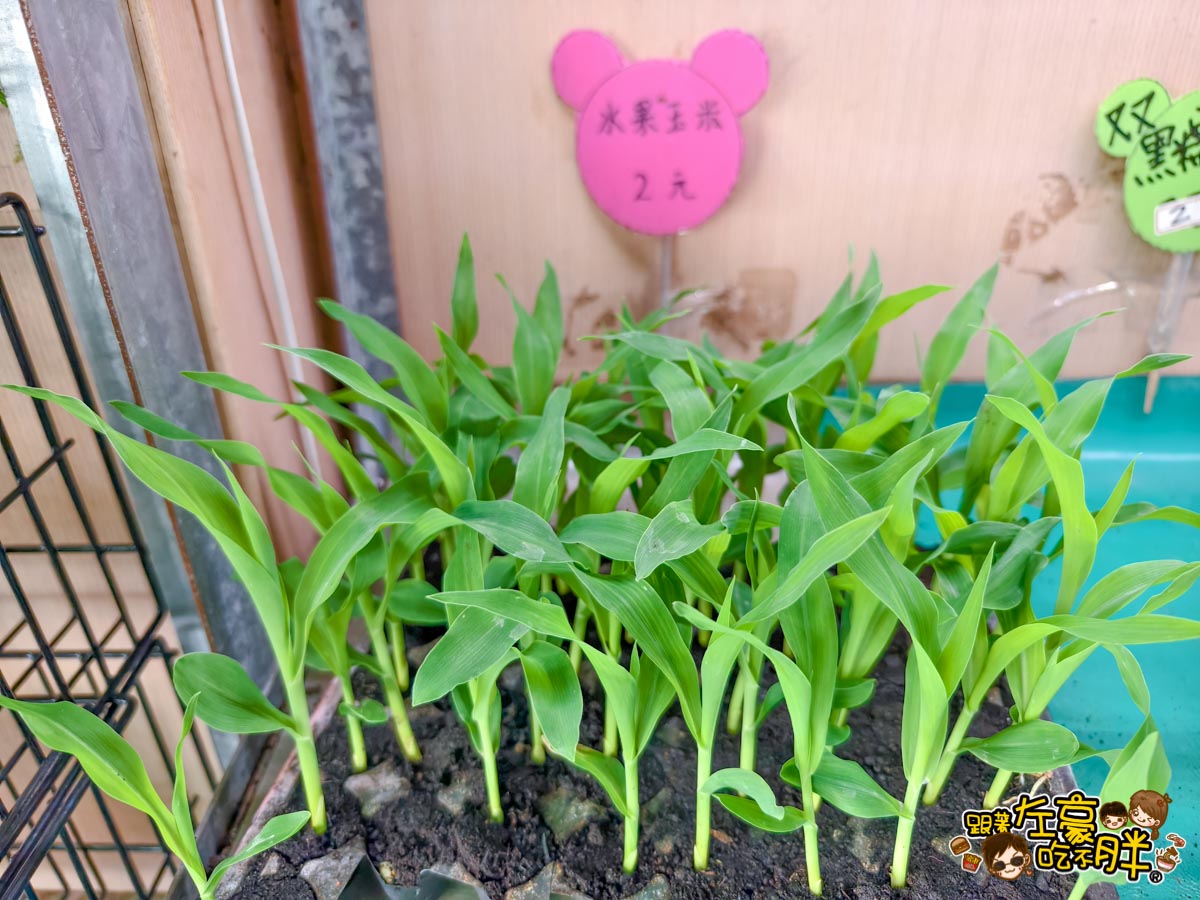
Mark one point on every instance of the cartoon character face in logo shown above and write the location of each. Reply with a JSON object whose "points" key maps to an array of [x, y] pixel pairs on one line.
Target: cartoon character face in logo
{"points": [[658, 142], [1160, 141], [1006, 855], [1113, 815], [1148, 809]]}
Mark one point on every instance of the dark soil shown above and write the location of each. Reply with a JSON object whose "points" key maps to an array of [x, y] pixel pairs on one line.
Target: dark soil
{"points": [[417, 832]]}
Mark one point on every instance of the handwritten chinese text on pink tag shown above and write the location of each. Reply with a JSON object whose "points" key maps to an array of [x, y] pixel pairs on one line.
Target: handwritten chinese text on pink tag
{"points": [[658, 142]]}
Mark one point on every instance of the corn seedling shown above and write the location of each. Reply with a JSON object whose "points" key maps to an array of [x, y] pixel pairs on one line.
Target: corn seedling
{"points": [[626, 521], [115, 768], [1043, 470], [323, 506]]}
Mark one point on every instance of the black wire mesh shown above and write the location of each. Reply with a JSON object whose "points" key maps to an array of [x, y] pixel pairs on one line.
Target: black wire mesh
{"points": [[81, 617]]}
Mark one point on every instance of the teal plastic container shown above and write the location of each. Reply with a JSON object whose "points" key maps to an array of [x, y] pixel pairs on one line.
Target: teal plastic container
{"points": [[1094, 703]]}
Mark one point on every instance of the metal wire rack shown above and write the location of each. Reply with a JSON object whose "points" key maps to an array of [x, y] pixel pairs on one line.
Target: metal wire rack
{"points": [[81, 616]]}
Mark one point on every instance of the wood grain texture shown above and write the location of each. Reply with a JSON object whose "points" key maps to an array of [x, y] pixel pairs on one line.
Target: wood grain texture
{"points": [[943, 135], [180, 54]]}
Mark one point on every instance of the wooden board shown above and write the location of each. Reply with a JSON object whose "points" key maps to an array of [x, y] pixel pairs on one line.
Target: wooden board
{"points": [[189, 95], [943, 135]]}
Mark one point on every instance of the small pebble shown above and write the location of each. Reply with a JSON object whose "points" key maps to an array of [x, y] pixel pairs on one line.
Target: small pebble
{"points": [[327, 875], [657, 889], [453, 798], [567, 814], [388, 873], [273, 867], [540, 887], [377, 787]]}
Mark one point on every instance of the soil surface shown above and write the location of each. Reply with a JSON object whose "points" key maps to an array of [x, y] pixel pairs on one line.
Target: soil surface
{"points": [[421, 830]]}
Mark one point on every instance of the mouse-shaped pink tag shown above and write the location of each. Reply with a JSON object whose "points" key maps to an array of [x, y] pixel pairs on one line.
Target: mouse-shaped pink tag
{"points": [[658, 142]]}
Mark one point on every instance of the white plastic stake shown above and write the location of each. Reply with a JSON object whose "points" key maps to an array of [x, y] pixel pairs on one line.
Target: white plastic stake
{"points": [[667, 246], [1166, 319]]}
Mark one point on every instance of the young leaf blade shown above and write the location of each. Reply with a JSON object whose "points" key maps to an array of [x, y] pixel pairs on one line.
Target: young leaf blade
{"points": [[229, 700]]}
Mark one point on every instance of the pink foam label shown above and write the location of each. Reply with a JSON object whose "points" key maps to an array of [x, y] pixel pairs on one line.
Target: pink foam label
{"points": [[658, 142]]}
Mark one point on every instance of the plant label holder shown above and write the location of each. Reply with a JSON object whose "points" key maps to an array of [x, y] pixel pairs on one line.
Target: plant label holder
{"points": [[1160, 142], [658, 142]]}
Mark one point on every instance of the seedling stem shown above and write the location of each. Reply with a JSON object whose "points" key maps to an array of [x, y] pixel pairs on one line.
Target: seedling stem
{"points": [[306, 753], [995, 793], [354, 732], [904, 832], [629, 862], [945, 766], [703, 808]]}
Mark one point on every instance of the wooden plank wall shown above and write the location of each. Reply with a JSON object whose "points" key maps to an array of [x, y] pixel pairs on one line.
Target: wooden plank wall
{"points": [[188, 94], [943, 135]]}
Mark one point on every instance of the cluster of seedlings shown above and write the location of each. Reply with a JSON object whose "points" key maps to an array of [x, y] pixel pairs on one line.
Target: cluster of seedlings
{"points": [[623, 521]]}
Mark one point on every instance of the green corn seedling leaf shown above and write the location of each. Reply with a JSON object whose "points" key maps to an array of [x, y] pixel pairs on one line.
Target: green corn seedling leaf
{"points": [[514, 529], [273, 833], [642, 611], [750, 785], [475, 642], [956, 653], [107, 758], [689, 405], [673, 533], [1119, 588], [456, 477], [1143, 628], [412, 601], [894, 306], [1132, 676], [992, 431], [846, 785], [539, 616], [923, 722], [1034, 746], [621, 691], [229, 699], [369, 711], [547, 309], [1079, 528], [536, 483], [851, 694], [472, 378], [345, 539], [1148, 512], [609, 772], [1141, 765], [654, 698], [181, 810], [751, 813], [838, 544], [949, 345], [534, 360], [555, 694], [900, 407], [464, 312], [418, 381], [894, 585], [614, 535], [831, 341]]}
